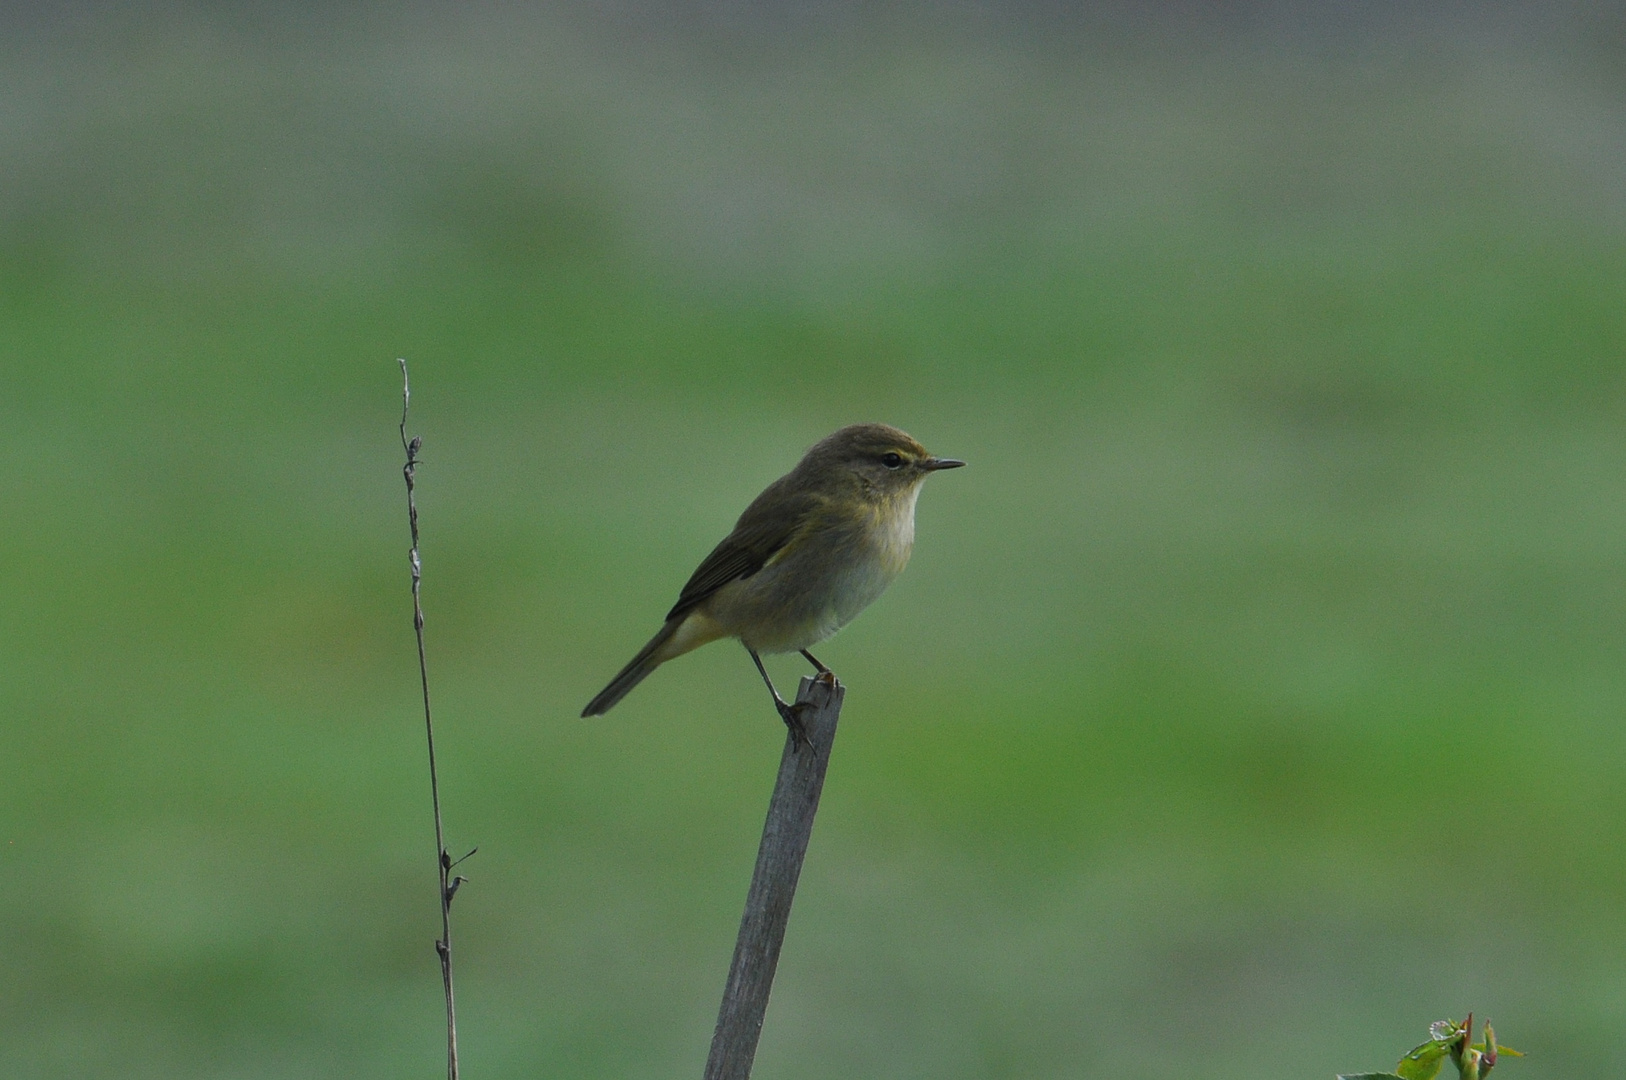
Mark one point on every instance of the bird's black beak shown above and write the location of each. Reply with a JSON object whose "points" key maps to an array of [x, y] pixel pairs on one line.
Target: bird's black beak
{"points": [[932, 464]]}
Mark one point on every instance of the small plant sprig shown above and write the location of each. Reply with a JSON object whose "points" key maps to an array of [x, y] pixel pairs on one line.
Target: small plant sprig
{"points": [[1448, 1041], [448, 884]]}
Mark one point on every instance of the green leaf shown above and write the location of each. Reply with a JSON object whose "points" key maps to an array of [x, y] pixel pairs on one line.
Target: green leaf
{"points": [[1425, 1062], [1369, 1076]]}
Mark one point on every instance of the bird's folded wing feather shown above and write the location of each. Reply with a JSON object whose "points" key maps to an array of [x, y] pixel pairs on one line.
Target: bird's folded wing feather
{"points": [[768, 525]]}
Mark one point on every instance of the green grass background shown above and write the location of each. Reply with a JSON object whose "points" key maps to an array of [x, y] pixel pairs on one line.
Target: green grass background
{"points": [[1253, 699]]}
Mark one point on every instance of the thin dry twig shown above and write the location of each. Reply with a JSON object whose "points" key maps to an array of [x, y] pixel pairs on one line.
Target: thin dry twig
{"points": [[448, 884]]}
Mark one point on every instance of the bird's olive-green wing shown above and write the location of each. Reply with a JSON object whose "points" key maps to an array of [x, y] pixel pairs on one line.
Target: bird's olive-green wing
{"points": [[770, 523]]}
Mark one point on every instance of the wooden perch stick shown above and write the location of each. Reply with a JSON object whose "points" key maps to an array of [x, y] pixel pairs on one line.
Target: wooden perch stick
{"points": [[773, 885]]}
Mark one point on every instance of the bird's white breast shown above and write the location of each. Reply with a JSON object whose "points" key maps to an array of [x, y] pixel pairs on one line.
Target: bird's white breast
{"points": [[895, 532], [818, 586], [884, 554]]}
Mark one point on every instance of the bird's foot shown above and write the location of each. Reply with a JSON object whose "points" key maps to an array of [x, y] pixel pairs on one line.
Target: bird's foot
{"points": [[792, 716], [827, 677]]}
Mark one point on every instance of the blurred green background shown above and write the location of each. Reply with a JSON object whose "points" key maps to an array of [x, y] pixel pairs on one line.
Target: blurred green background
{"points": [[1254, 699]]}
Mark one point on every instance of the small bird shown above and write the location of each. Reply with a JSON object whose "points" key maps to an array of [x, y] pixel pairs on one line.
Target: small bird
{"points": [[809, 553]]}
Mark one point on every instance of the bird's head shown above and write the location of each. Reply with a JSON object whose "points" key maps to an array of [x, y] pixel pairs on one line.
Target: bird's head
{"points": [[882, 459]]}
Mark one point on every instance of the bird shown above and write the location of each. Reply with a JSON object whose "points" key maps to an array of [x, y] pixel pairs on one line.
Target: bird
{"points": [[812, 551]]}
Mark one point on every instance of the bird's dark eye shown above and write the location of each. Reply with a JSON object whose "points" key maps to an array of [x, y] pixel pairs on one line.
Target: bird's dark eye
{"points": [[892, 460]]}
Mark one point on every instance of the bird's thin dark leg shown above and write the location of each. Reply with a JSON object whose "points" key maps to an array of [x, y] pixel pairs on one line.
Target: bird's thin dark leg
{"points": [[790, 714], [815, 662]]}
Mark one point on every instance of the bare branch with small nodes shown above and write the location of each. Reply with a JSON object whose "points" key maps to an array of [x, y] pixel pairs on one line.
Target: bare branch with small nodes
{"points": [[448, 884]]}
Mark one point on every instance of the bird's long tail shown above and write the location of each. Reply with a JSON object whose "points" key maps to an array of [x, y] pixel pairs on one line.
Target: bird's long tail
{"points": [[648, 659]]}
